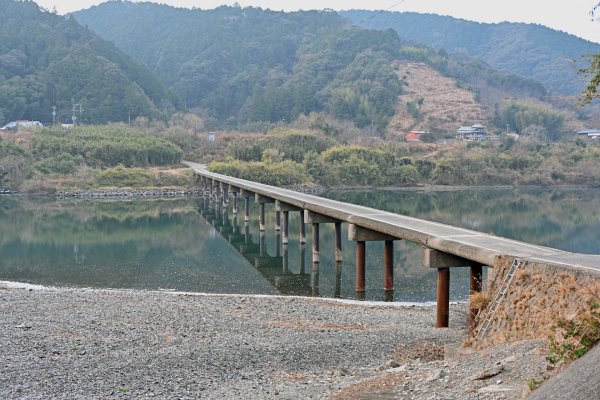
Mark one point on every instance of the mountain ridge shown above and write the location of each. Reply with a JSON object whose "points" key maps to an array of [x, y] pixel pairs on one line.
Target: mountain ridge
{"points": [[529, 50]]}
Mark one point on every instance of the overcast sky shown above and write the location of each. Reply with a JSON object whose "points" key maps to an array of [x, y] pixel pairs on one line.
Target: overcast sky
{"points": [[571, 16]]}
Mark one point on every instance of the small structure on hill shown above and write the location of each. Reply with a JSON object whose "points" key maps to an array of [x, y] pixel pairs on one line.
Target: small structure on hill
{"points": [[414, 136], [590, 133], [16, 125], [475, 132]]}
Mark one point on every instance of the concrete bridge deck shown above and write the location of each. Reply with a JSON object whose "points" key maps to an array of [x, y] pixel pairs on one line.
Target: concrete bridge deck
{"points": [[467, 244]]}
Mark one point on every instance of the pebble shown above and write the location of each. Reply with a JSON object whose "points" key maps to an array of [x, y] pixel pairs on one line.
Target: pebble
{"points": [[138, 344]]}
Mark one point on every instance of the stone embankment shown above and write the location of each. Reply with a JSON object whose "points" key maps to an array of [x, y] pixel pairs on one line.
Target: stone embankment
{"points": [[128, 193], [539, 298]]}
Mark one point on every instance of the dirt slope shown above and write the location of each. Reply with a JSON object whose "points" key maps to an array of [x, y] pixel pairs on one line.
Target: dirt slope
{"points": [[444, 107]]}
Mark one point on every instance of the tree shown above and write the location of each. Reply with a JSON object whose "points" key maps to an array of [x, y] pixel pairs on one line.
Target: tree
{"points": [[593, 70]]}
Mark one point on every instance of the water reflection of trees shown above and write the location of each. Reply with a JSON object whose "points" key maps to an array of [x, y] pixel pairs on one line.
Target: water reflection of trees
{"points": [[562, 218]]}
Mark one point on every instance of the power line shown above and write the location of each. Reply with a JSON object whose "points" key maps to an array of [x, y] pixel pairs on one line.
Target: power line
{"points": [[378, 13]]}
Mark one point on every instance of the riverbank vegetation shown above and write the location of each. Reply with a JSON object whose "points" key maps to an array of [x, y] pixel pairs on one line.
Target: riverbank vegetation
{"points": [[318, 150], [88, 156], [392, 163]]}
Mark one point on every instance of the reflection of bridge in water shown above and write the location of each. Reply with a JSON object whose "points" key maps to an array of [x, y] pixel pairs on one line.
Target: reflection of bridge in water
{"points": [[274, 268], [445, 247]]}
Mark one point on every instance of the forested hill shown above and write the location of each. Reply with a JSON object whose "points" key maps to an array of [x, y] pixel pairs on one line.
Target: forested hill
{"points": [[529, 50], [246, 65], [47, 59]]}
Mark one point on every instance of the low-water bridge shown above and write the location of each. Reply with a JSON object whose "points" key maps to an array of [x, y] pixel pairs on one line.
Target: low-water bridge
{"points": [[444, 246]]}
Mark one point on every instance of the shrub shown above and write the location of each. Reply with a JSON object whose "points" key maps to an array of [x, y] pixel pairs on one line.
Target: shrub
{"points": [[120, 176]]}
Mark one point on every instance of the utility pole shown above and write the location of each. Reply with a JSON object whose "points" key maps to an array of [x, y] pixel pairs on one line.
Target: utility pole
{"points": [[80, 112], [129, 115], [74, 118], [53, 115]]}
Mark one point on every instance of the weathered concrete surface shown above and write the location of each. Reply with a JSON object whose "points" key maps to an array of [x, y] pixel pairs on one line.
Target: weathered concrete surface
{"points": [[580, 381], [472, 245]]}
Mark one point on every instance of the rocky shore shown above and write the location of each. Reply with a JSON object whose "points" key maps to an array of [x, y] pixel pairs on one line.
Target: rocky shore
{"points": [[84, 343], [127, 193]]}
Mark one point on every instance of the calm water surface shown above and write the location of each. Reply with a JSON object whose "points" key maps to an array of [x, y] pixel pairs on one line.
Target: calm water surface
{"points": [[197, 245]]}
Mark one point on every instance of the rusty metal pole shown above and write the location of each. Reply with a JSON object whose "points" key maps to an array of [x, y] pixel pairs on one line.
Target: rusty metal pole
{"points": [[475, 287], [315, 243], [261, 217], [388, 265], [361, 249], [246, 208], [302, 228], [338, 241], [443, 298], [285, 223]]}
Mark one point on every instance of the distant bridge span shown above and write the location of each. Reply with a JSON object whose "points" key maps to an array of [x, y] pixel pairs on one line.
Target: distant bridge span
{"points": [[444, 246]]}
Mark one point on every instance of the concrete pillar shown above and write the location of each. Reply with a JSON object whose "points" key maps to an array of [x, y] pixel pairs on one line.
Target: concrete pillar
{"points": [[314, 279], [302, 228], [262, 200], [225, 193], [315, 243], [246, 208], [285, 225], [338, 280], [338, 241], [361, 249], [246, 232], [302, 259], [277, 218], [443, 298], [235, 202], [278, 244], [262, 250], [261, 217], [285, 259]]}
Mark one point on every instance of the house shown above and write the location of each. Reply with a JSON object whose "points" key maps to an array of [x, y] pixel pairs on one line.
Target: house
{"points": [[474, 132], [414, 136], [590, 133]]}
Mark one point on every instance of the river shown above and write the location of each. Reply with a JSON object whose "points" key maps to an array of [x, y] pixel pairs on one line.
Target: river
{"points": [[195, 245]]}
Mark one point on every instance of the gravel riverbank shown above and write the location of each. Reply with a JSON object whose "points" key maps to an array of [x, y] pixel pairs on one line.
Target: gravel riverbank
{"points": [[82, 343]]}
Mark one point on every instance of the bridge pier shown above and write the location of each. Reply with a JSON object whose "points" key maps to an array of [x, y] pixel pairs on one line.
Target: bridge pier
{"points": [[315, 244], [234, 192], [262, 200], [302, 228], [315, 219], [362, 235], [443, 262], [285, 222], [277, 217], [338, 241], [443, 298], [225, 193], [338, 280], [361, 250]]}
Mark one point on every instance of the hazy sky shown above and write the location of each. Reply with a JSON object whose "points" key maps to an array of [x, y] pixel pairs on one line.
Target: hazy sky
{"points": [[571, 16]]}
